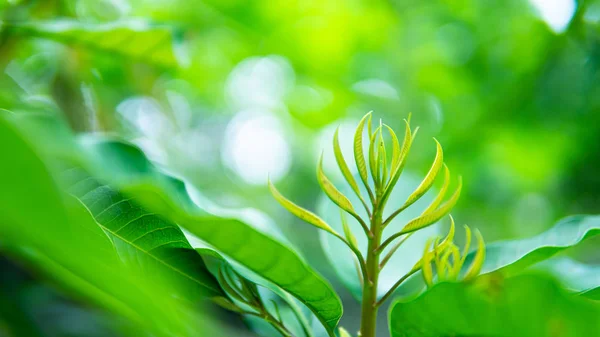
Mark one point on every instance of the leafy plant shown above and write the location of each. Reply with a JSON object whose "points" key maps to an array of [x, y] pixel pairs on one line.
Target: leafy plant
{"points": [[142, 244], [444, 254]]}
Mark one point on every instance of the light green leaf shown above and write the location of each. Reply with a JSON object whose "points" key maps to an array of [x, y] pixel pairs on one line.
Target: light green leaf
{"points": [[359, 155], [333, 193], [300, 212], [339, 157], [478, 260], [140, 40], [514, 255], [432, 217], [430, 177], [523, 306]]}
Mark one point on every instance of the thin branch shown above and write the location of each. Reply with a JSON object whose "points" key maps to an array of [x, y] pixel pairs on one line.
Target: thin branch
{"points": [[357, 253], [365, 205], [392, 251], [388, 241], [394, 287], [393, 215], [362, 223]]}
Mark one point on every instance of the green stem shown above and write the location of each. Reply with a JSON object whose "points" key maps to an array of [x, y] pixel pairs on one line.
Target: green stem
{"points": [[369, 309]]}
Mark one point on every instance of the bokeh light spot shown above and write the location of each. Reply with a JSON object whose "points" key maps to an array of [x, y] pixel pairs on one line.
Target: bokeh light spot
{"points": [[255, 147]]}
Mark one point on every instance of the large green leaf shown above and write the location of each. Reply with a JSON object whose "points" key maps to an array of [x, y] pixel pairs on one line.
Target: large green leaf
{"points": [[140, 40], [250, 247], [523, 306], [57, 235], [514, 255], [143, 239], [580, 278]]}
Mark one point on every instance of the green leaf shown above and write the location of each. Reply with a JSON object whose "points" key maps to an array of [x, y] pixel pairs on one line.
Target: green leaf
{"points": [[339, 157], [523, 306], [298, 211], [61, 239], [217, 264], [580, 278], [341, 258], [235, 238], [430, 177], [515, 255], [344, 333], [143, 239], [359, 155], [333, 193], [140, 40], [431, 217]]}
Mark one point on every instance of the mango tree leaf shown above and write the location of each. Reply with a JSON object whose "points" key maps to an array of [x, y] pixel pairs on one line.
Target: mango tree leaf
{"points": [[56, 235], [515, 255], [580, 278], [131, 39], [291, 314], [402, 262], [255, 250], [143, 239], [523, 306]]}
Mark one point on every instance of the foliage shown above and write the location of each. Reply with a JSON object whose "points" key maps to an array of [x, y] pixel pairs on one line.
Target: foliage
{"points": [[113, 114]]}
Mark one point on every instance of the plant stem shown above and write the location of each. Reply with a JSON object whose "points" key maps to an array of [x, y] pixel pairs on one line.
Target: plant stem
{"points": [[369, 310]]}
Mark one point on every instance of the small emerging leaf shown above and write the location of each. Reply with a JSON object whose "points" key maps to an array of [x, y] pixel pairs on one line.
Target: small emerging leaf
{"points": [[333, 193], [430, 177], [440, 196], [348, 233], [373, 164], [426, 265], [478, 260], [339, 157], [298, 211], [433, 216], [359, 156]]}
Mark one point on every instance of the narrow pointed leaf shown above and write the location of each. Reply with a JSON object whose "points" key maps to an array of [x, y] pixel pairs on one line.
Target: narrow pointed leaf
{"points": [[433, 216], [298, 211], [339, 157], [359, 156], [332, 192], [430, 177], [442, 192], [395, 148], [348, 233], [373, 163], [478, 260]]}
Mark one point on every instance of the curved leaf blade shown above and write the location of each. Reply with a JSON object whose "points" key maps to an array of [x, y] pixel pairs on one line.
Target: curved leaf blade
{"points": [[332, 192], [515, 255], [237, 239], [359, 156], [523, 306], [298, 211]]}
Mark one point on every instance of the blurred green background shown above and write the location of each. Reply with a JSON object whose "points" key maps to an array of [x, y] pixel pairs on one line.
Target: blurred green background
{"points": [[225, 92]]}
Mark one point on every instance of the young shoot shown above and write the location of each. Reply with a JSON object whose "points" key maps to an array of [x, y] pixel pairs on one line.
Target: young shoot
{"points": [[379, 174]]}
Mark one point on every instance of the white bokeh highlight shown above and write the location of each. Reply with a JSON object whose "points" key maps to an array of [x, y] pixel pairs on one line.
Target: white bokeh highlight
{"points": [[255, 147]]}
